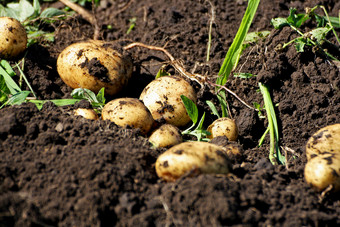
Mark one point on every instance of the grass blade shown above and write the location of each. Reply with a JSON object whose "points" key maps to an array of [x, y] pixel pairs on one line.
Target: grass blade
{"points": [[235, 48], [57, 102], [275, 155]]}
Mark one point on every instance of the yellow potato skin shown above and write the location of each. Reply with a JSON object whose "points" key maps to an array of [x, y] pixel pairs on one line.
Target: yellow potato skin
{"points": [[163, 98], [324, 140], [192, 158], [94, 65], [128, 112], [166, 135], [86, 113], [223, 127], [13, 38], [323, 170]]}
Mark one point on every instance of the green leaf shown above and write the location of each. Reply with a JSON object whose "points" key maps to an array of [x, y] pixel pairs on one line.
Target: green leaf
{"points": [[36, 7], [21, 10], [213, 108], [83, 93], [10, 83], [191, 108], [319, 34], [232, 55], [4, 91], [300, 44], [200, 124], [101, 97], [51, 12], [253, 37], [161, 72], [296, 19], [279, 22], [17, 98], [244, 75], [8, 68]]}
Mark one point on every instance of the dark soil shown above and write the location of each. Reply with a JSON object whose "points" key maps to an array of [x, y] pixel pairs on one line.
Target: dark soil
{"points": [[57, 169]]}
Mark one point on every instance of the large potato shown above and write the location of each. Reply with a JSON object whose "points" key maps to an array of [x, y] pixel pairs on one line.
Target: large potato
{"points": [[323, 170], [223, 127], [13, 38], [94, 65], [128, 112], [192, 158], [163, 98], [325, 140], [166, 135]]}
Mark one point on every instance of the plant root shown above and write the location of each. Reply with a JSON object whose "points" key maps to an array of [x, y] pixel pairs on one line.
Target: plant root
{"points": [[85, 14], [202, 80]]}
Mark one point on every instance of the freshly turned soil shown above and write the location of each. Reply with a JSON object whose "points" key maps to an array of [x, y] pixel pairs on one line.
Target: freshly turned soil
{"points": [[57, 169]]}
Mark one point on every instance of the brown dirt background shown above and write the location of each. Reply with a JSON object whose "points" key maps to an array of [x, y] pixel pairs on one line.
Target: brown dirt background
{"points": [[60, 170]]}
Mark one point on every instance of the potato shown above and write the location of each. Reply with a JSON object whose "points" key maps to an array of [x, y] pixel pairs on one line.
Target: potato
{"points": [[325, 140], [223, 127], [94, 65], [323, 170], [192, 158], [13, 38], [86, 113], [163, 98], [166, 135], [128, 112]]}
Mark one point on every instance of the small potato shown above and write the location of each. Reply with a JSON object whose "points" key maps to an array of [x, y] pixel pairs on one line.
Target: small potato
{"points": [[165, 136], [192, 158], [325, 140], [86, 113], [223, 127], [13, 38], [163, 98], [128, 112], [94, 65], [323, 170]]}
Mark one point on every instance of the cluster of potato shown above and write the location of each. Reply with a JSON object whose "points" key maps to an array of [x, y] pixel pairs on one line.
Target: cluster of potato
{"points": [[94, 64], [323, 159]]}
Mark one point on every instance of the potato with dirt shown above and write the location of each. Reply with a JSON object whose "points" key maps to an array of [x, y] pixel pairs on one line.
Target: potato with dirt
{"points": [[13, 38], [93, 65], [86, 113], [325, 140], [163, 98], [128, 112], [192, 158], [323, 171], [223, 127], [166, 135]]}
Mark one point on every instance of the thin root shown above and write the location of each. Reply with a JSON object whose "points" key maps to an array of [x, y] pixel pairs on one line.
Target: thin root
{"points": [[202, 80], [85, 14]]}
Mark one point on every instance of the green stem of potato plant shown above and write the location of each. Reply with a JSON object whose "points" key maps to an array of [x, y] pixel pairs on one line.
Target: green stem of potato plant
{"points": [[275, 155]]}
